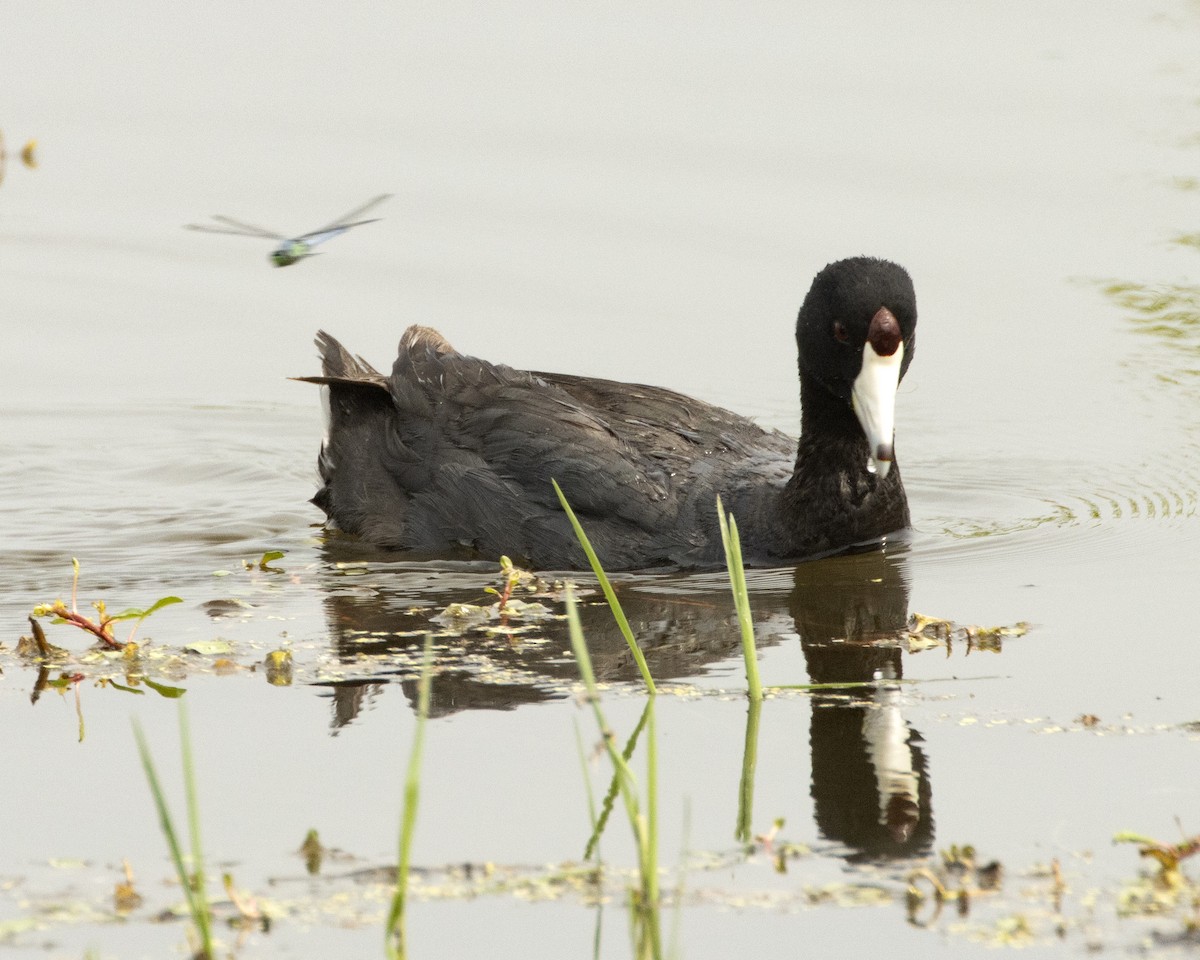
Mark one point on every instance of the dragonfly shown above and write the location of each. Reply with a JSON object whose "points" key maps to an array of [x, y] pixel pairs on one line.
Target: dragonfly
{"points": [[292, 249]]}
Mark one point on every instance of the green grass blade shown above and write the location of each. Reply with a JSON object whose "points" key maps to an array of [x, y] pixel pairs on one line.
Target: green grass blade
{"points": [[645, 901], [196, 903], [741, 598], [133, 613], [674, 946], [745, 814], [651, 878], [609, 594], [613, 790], [193, 815], [587, 786], [626, 780], [396, 943]]}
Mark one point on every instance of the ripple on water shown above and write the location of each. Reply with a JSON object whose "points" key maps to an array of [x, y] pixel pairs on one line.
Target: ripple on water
{"points": [[1031, 507], [155, 490]]}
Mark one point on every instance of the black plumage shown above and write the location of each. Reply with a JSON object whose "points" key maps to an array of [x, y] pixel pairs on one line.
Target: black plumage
{"points": [[453, 456]]}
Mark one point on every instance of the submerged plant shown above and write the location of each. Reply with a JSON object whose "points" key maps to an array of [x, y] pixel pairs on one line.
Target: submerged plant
{"points": [[102, 626]]}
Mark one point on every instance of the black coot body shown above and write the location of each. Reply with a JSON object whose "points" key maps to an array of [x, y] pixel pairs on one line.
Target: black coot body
{"points": [[453, 456]]}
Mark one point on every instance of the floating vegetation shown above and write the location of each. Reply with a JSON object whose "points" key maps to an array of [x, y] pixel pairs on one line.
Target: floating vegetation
{"points": [[102, 626], [119, 662], [458, 619], [1168, 312], [959, 880], [126, 899], [1187, 240], [525, 609], [925, 633], [263, 562], [278, 664], [1169, 857], [514, 579], [955, 894]]}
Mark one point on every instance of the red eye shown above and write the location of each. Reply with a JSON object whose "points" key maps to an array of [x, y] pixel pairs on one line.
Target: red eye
{"points": [[839, 332]]}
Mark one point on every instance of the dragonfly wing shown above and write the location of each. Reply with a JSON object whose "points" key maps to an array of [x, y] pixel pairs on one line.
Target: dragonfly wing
{"points": [[344, 219], [320, 236], [214, 228], [250, 229]]}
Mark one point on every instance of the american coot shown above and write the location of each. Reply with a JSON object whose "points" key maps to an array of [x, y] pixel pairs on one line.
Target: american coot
{"points": [[453, 456]]}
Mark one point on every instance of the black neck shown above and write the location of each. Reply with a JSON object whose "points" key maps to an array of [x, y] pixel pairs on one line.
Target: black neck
{"points": [[833, 497]]}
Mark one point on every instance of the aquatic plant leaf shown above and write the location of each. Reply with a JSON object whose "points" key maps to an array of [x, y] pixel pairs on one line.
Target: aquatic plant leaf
{"points": [[163, 690], [124, 689], [530, 610], [460, 617], [264, 560], [134, 614]]}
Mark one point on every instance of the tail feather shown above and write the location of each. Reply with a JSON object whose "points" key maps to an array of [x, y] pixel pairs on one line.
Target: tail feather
{"points": [[338, 362]]}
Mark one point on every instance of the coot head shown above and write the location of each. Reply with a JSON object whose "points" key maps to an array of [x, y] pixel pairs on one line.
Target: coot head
{"points": [[856, 336]]}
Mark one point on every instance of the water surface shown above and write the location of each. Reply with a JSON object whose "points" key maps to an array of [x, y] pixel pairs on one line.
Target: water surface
{"points": [[641, 194]]}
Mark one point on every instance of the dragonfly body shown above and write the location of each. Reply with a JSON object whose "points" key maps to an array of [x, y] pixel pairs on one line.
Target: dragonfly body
{"points": [[288, 253], [292, 249]]}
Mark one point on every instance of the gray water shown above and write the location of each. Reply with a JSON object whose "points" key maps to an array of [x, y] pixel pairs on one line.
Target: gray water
{"points": [[642, 194]]}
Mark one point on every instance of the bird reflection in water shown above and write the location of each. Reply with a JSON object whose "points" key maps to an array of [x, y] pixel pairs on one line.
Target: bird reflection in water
{"points": [[870, 785]]}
